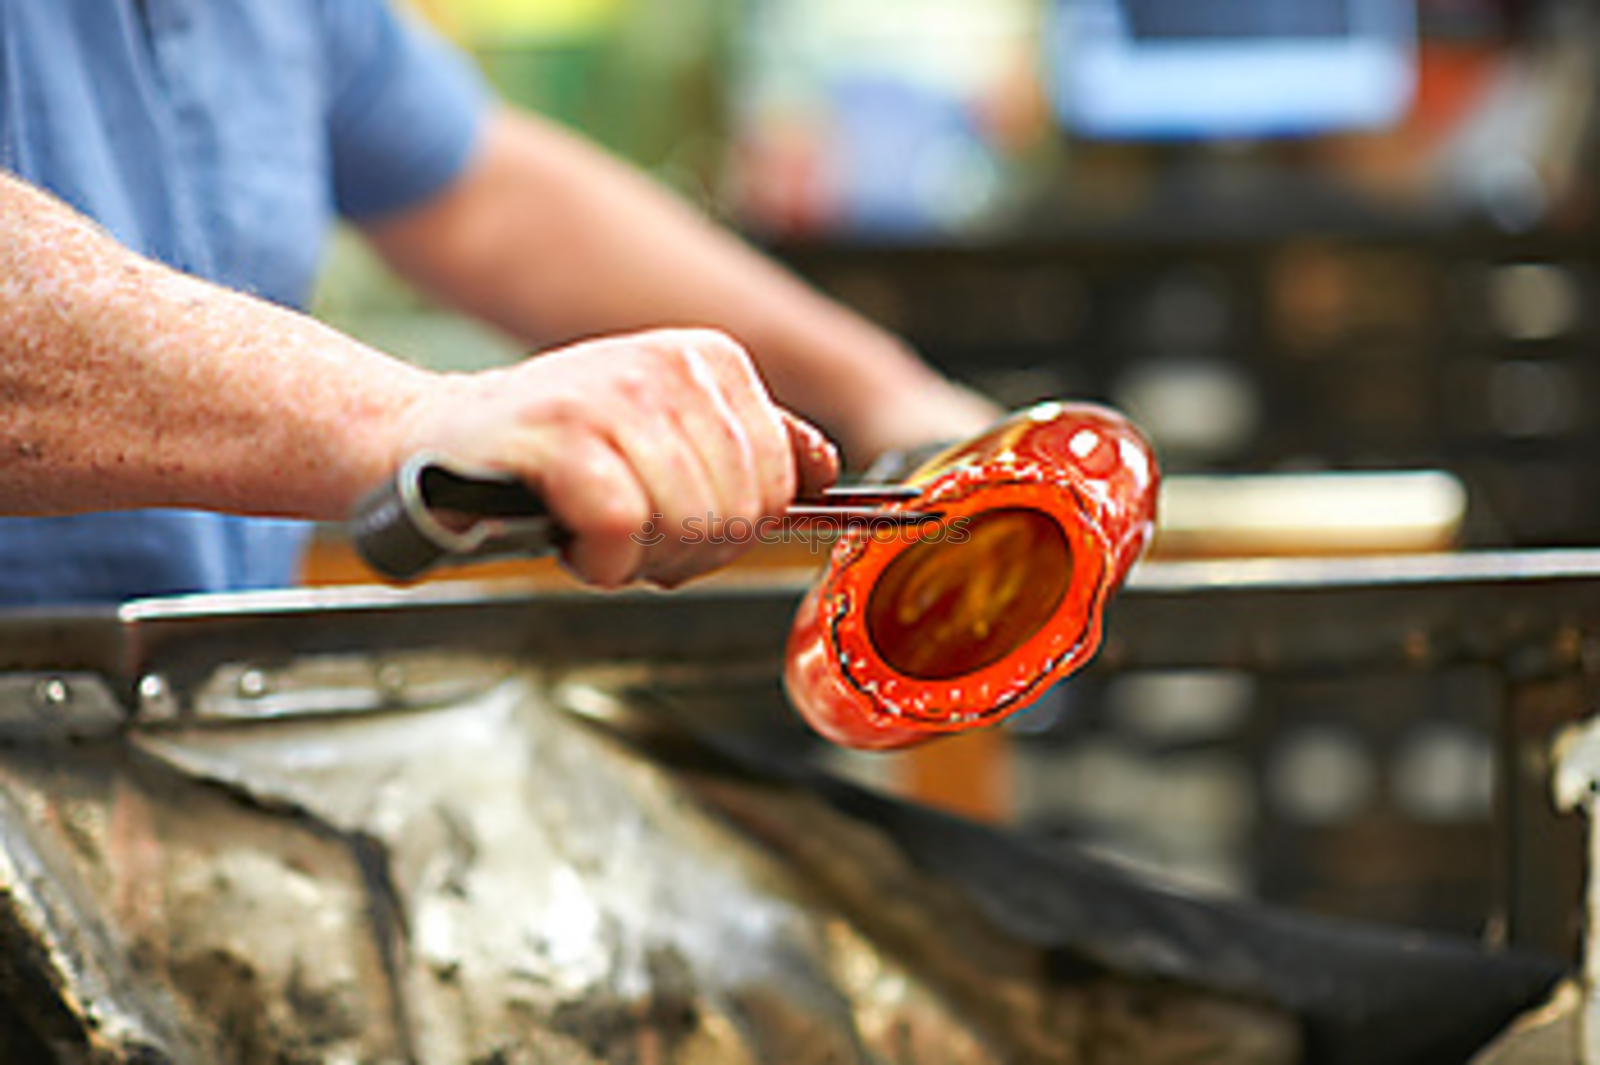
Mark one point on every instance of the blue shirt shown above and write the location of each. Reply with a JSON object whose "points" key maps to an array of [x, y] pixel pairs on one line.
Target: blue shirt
{"points": [[221, 137]]}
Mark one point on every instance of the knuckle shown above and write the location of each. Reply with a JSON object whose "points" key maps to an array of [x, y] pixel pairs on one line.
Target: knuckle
{"points": [[587, 470], [560, 407], [714, 346], [634, 381], [719, 344], [707, 340]]}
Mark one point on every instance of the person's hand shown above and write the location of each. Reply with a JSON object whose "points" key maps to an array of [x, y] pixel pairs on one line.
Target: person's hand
{"points": [[629, 438]]}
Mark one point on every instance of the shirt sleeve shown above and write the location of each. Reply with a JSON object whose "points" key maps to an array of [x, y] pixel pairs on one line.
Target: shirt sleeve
{"points": [[405, 110]]}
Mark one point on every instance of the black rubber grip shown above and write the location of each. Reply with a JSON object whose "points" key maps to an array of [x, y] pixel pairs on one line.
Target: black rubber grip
{"points": [[431, 513]]}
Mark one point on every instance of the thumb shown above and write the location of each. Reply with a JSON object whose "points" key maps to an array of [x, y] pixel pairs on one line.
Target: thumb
{"points": [[816, 459]]}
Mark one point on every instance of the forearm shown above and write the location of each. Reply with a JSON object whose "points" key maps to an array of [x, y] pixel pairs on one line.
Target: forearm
{"points": [[551, 239], [126, 384]]}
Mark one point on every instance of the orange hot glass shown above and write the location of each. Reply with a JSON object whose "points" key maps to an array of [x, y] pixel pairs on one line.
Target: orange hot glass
{"points": [[918, 631]]}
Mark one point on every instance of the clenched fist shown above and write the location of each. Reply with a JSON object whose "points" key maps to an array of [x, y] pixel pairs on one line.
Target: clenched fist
{"points": [[628, 438]]}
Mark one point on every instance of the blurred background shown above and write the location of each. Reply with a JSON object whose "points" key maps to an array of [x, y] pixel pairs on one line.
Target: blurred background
{"points": [[1293, 238], [1296, 235]]}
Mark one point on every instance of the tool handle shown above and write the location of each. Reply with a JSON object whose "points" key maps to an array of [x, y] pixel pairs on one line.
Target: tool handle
{"points": [[433, 512]]}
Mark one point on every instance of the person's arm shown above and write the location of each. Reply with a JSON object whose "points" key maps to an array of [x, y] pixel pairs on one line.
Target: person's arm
{"points": [[126, 384], [550, 238]]}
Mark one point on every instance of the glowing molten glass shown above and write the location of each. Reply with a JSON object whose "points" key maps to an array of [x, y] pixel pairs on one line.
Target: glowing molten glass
{"points": [[916, 632]]}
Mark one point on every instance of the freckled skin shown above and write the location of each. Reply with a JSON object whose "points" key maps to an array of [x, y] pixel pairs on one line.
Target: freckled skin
{"points": [[124, 384]]}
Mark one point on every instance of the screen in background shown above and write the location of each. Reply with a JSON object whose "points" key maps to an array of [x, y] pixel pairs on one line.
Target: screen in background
{"points": [[1147, 69], [1157, 20]]}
